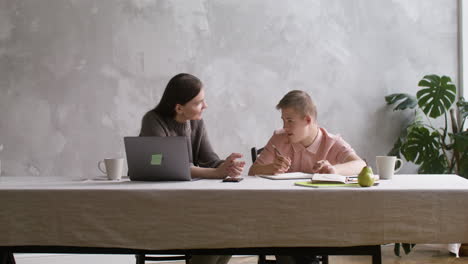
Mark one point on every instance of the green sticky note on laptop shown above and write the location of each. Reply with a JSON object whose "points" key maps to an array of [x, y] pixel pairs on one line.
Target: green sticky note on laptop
{"points": [[156, 159]]}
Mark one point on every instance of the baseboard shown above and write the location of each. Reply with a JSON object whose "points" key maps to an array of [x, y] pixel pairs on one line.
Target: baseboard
{"points": [[73, 259], [37, 255]]}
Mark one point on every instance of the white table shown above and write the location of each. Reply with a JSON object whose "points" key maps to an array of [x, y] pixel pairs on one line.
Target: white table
{"points": [[209, 214]]}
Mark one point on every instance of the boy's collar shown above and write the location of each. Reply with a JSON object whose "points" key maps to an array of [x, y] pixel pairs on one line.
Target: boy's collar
{"points": [[312, 148]]}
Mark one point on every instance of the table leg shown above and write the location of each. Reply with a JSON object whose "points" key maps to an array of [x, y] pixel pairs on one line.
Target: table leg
{"points": [[377, 256]]}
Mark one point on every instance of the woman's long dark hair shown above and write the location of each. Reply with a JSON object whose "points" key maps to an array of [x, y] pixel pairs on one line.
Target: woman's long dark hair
{"points": [[179, 90]]}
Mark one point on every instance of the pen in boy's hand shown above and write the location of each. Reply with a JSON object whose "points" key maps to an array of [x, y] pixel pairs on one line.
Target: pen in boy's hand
{"points": [[277, 151]]}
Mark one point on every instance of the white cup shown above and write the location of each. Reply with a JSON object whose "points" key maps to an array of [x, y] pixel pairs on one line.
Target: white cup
{"points": [[113, 168], [386, 166]]}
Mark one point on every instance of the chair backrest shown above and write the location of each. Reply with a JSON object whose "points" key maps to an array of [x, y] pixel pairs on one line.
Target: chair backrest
{"points": [[255, 152]]}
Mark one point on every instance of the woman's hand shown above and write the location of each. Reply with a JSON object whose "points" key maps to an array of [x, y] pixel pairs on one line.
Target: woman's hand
{"points": [[323, 166], [231, 167]]}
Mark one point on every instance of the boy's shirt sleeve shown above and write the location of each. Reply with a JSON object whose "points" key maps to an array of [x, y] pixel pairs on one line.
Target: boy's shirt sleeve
{"points": [[340, 150], [267, 155]]}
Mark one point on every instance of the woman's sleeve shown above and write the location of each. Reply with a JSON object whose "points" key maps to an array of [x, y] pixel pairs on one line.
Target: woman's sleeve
{"points": [[206, 156]]}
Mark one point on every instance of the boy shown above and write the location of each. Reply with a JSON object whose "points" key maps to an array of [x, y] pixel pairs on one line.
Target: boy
{"points": [[303, 146]]}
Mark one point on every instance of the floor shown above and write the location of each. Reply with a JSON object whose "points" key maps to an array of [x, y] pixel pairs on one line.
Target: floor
{"points": [[421, 255]]}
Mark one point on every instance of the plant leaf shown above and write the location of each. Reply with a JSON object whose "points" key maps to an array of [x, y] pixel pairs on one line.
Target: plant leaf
{"points": [[434, 165], [461, 141], [404, 101], [462, 108], [464, 165], [401, 140], [395, 151], [421, 145], [439, 95]]}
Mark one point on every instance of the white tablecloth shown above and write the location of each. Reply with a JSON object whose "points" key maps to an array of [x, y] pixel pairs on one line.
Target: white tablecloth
{"points": [[205, 214]]}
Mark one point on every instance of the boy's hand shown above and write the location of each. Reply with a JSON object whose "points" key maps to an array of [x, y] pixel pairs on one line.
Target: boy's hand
{"points": [[281, 164], [323, 166]]}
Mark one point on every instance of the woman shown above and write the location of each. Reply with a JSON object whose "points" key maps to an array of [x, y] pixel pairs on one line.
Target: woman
{"points": [[179, 113]]}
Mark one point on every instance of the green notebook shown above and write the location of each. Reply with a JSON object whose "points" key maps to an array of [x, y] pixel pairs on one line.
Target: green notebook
{"points": [[326, 184]]}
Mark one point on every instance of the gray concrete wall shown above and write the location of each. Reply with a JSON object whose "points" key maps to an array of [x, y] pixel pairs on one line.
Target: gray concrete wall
{"points": [[77, 75]]}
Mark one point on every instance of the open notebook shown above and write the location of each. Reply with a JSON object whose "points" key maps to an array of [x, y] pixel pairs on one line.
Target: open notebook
{"points": [[334, 178], [314, 177], [288, 176]]}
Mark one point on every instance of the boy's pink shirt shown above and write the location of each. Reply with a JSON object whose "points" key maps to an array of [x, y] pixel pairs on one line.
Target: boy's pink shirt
{"points": [[325, 147]]}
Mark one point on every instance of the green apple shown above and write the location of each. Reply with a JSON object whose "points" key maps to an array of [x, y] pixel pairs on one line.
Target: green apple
{"points": [[366, 176]]}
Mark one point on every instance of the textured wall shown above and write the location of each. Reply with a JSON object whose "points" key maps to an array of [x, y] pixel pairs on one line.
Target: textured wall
{"points": [[77, 75]]}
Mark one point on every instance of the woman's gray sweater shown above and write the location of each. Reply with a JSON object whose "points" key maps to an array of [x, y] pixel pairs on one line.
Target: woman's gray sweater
{"points": [[200, 151]]}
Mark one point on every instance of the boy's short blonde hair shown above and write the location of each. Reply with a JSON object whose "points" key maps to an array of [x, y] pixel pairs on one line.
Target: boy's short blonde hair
{"points": [[299, 101]]}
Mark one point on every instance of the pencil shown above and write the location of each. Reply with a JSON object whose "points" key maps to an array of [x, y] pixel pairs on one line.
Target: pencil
{"points": [[277, 151]]}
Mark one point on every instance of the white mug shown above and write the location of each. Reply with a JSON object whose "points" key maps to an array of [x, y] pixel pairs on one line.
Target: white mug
{"points": [[386, 166], [113, 168]]}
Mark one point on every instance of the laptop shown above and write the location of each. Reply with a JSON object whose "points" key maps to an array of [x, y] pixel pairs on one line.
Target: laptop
{"points": [[157, 158]]}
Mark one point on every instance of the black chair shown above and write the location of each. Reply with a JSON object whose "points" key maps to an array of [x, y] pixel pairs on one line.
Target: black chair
{"points": [[255, 152], [262, 258], [142, 258]]}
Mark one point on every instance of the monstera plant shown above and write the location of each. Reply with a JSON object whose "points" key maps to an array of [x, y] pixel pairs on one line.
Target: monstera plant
{"points": [[437, 150]]}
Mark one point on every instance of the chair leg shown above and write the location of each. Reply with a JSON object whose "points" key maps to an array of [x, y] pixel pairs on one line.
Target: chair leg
{"points": [[140, 258], [7, 257], [261, 259]]}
